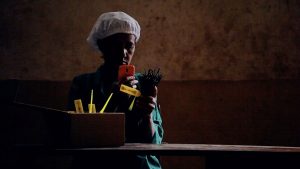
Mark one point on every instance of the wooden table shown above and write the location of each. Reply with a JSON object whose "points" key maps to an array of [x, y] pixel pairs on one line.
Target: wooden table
{"points": [[216, 156], [183, 149]]}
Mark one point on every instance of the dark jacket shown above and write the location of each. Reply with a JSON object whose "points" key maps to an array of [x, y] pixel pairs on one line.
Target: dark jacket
{"points": [[81, 89]]}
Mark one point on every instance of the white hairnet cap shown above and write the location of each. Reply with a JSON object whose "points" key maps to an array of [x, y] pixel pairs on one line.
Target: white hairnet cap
{"points": [[111, 23]]}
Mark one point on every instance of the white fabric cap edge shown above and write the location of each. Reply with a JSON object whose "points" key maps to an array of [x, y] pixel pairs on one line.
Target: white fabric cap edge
{"points": [[111, 23]]}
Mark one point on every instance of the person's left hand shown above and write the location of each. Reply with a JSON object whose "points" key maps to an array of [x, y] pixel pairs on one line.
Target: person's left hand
{"points": [[146, 104]]}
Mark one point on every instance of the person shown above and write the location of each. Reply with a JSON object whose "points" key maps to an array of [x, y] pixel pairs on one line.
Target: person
{"points": [[114, 36]]}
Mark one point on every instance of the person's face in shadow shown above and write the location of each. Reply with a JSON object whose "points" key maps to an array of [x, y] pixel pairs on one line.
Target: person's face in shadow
{"points": [[117, 49]]}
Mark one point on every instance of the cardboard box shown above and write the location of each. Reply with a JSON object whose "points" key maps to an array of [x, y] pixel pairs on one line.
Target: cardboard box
{"points": [[38, 125], [70, 129], [94, 129]]}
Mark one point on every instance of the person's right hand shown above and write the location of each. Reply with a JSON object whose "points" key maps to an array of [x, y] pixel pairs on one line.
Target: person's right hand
{"points": [[129, 81]]}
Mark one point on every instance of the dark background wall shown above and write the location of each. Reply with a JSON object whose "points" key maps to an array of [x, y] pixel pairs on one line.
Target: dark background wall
{"points": [[188, 40]]}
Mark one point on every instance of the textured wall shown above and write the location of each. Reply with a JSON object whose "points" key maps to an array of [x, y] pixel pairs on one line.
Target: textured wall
{"points": [[192, 39]]}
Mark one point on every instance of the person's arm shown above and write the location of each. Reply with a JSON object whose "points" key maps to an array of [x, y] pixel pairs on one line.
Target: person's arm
{"points": [[77, 91], [150, 123], [157, 125], [144, 107], [145, 120]]}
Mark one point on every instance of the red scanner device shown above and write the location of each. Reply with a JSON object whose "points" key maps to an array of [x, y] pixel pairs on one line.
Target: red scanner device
{"points": [[126, 70]]}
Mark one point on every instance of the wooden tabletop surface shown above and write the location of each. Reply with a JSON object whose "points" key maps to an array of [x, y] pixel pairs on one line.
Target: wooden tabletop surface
{"points": [[185, 149]]}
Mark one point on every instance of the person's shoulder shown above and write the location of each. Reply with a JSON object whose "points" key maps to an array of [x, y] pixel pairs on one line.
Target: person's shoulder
{"points": [[84, 77]]}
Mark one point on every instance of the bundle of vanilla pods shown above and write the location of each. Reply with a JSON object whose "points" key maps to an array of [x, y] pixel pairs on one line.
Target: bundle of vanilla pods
{"points": [[149, 80]]}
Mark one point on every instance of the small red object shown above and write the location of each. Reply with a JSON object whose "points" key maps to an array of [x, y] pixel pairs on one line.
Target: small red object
{"points": [[126, 70]]}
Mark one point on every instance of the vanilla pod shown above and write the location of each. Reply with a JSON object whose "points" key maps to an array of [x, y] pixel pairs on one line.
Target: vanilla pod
{"points": [[149, 80]]}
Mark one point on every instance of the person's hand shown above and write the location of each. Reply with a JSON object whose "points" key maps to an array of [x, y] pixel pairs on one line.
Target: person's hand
{"points": [[129, 81], [146, 104]]}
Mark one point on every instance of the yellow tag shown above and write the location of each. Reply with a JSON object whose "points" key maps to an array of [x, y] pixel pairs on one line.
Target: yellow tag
{"points": [[78, 106], [130, 90], [131, 105]]}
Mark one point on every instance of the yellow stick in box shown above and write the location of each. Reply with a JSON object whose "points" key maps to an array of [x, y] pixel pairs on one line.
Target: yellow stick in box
{"points": [[91, 106], [102, 110]]}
